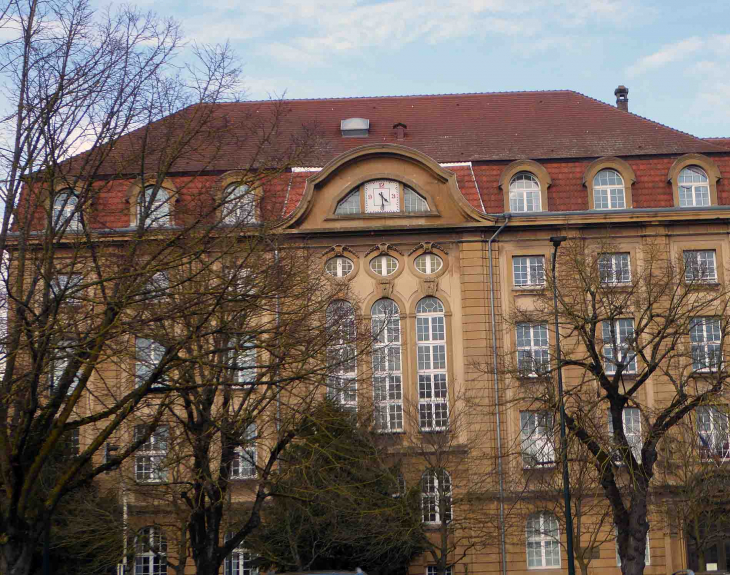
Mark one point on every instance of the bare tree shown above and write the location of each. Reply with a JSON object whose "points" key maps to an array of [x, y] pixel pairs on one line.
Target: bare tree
{"points": [[624, 331]]}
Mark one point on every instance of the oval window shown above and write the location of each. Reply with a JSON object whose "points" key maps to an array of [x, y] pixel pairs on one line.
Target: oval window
{"points": [[428, 263], [384, 265], [339, 267]]}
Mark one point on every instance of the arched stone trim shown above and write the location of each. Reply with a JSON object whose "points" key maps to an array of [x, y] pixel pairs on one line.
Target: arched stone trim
{"points": [[610, 163], [536, 169], [384, 150], [339, 250], [704, 162], [136, 188], [428, 248], [397, 298], [356, 183], [417, 296], [237, 177]]}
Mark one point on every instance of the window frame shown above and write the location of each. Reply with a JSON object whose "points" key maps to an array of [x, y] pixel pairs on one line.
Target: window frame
{"points": [[340, 261], [388, 382], [66, 213], [161, 220], [709, 449], [689, 266], [433, 389], [707, 164], [141, 369], [59, 364], [431, 500], [60, 288], [342, 380], [236, 562], [149, 459], [710, 365], [693, 187], [245, 200], [630, 367], [545, 536], [536, 354], [618, 165], [617, 270], [524, 192], [538, 441], [608, 189], [243, 362], [633, 435], [531, 271], [155, 562], [428, 257], [246, 457], [383, 258]]}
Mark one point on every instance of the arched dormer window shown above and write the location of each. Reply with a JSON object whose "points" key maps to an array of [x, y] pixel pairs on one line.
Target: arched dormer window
{"points": [[387, 370], [153, 208], [524, 193], [609, 192], [239, 205], [436, 496], [433, 402], [382, 197], [66, 211], [693, 187]]}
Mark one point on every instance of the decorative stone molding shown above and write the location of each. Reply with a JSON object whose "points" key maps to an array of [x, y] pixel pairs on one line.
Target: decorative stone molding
{"points": [[534, 168], [339, 250], [429, 286], [383, 249], [427, 247], [701, 161]]}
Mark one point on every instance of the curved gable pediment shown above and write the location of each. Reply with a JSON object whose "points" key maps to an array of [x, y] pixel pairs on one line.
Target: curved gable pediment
{"points": [[351, 171]]}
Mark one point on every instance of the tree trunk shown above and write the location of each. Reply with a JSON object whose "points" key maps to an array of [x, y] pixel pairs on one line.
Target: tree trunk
{"points": [[16, 555]]}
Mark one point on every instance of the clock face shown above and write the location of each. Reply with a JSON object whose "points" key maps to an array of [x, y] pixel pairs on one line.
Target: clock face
{"points": [[382, 196]]}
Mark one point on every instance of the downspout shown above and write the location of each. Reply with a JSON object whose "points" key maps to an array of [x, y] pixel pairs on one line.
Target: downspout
{"points": [[502, 539]]}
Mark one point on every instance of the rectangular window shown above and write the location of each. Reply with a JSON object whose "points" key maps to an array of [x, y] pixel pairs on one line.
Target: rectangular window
{"points": [[387, 382], [706, 339], [240, 561], [149, 354], [712, 429], [632, 430], [533, 352], [605, 198], [529, 270], [614, 269], [433, 570], [699, 266], [618, 337], [524, 201], [647, 554], [243, 363], [538, 448], [243, 465], [433, 403], [62, 356], [65, 288], [149, 460], [71, 444]]}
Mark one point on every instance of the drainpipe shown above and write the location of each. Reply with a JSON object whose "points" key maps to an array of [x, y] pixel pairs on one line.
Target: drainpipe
{"points": [[502, 540]]}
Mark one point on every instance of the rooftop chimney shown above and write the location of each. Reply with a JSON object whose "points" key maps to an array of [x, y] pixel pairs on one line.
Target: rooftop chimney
{"points": [[622, 98], [400, 130], [355, 128]]}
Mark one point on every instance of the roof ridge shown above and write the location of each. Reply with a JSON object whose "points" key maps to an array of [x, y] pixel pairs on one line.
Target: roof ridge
{"points": [[405, 96], [654, 122]]}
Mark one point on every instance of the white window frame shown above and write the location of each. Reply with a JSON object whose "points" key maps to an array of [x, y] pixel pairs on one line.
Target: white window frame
{"points": [[64, 288], [239, 561], [647, 550], [412, 200], [434, 570], [147, 560], [149, 459], [159, 214], [431, 360], [631, 419], [157, 287], [700, 266], [239, 205], [542, 532], [614, 268], [706, 344], [433, 263], [245, 457], [522, 197], [350, 204], [148, 355], [60, 361], [537, 441], [379, 265], [387, 366], [244, 364], [66, 211], [436, 488], [713, 433], [620, 327], [607, 194], [339, 266], [528, 271], [696, 193], [342, 351], [533, 346]]}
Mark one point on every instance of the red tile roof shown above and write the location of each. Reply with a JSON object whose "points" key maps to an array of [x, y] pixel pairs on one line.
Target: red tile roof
{"points": [[449, 128]]}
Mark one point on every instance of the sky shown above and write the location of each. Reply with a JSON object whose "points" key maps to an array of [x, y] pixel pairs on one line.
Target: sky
{"points": [[673, 55]]}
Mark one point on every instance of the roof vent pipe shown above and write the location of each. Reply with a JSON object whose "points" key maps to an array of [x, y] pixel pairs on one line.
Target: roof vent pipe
{"points": [[622, 98], [355, 128], [400, 130]]}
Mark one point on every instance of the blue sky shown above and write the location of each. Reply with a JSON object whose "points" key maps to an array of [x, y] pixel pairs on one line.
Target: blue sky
{"points": [[673, 55]]}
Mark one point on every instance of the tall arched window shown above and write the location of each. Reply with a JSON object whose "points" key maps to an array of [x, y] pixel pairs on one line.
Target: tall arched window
{"points": [[342, 354], [524, 193], [433, 403], [543, 540], [66, 212], [239, 205], [387, 374], [436, 496], [153, 207], [151, 552], [608, 191], [693, 187]]}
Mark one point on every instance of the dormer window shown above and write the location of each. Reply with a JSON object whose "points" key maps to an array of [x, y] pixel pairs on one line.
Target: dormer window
{"points": [[239, 205], [153, 208], [524, 193], [608, 191], [382, 197], [694, 187]]}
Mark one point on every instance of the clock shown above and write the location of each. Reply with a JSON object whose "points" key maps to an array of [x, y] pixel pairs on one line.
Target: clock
{"points": [[382, 196]]}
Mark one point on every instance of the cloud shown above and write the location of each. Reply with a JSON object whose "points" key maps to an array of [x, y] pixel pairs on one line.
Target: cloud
{"points": [[666, 55]]}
